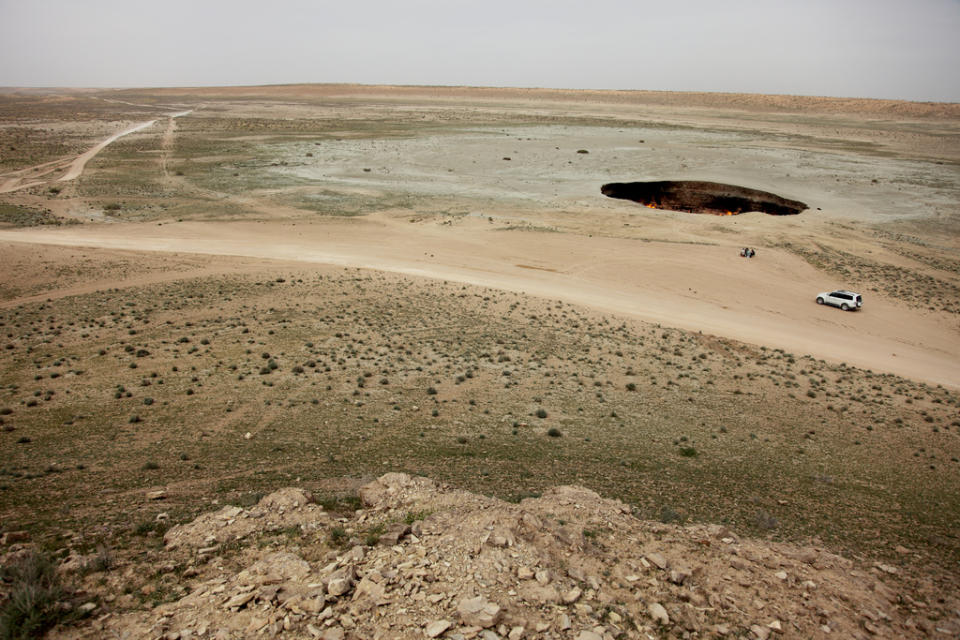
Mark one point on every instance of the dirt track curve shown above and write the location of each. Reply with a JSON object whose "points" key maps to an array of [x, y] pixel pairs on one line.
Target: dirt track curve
{"points": [[766, 301]]}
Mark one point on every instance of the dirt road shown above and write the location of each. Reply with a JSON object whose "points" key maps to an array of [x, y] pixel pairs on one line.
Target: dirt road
{"points": [[74, 167], [766, 301]]}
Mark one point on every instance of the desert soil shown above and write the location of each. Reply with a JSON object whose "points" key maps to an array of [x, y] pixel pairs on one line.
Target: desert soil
{"points": [[214, 292]]}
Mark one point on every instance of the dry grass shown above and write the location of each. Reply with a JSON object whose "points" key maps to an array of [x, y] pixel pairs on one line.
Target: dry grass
{"points": [[122, 373], [333, 373]]}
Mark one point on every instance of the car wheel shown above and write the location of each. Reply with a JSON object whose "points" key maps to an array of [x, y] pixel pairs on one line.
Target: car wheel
{"points": [[845, 307], [819, 300]]}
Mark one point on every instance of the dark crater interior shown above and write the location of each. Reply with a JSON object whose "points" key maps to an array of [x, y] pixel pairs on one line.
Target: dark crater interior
{"points": [[702, 197]]}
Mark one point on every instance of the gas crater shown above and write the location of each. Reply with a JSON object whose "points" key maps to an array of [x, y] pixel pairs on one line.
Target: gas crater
{"points": [[702, 197]]}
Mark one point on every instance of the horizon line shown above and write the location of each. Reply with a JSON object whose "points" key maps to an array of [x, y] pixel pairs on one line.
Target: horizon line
{"points": [[456, 86]]}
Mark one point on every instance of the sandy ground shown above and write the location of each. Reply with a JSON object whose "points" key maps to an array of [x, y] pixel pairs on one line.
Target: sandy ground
{"points": [[311, 285], [767, 300], [841, 157]]}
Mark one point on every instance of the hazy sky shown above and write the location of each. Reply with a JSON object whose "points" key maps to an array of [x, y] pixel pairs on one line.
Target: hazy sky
{"points": [[906, 49]]}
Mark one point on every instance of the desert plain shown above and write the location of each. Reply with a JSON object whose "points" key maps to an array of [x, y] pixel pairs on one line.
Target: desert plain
{"points": [[210, 294]]}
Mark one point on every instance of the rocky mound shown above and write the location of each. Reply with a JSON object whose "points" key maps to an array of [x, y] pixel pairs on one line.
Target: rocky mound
{"points": [[423, 560]]}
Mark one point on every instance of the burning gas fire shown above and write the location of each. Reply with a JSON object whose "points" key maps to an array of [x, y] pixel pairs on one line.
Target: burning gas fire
{"points": [[692, 196], [651, 205]]}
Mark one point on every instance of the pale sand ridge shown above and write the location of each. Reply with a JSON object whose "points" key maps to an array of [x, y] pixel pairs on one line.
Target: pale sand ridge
{"points": [[766, 301]]}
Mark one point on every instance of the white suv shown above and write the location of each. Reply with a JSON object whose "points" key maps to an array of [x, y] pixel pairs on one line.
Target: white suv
{"points": [[846, 300]]}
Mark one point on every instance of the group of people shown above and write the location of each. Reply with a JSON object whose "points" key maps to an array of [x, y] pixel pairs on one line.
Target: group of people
{"points": [[747, 252]]}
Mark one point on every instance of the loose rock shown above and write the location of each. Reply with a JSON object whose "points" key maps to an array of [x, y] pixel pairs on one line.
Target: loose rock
{"points": [[437, 628], [658, 613], [479, 612]]}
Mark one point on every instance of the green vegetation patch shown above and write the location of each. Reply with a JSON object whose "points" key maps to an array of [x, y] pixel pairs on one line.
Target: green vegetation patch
{"points": [[16, 215]]}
